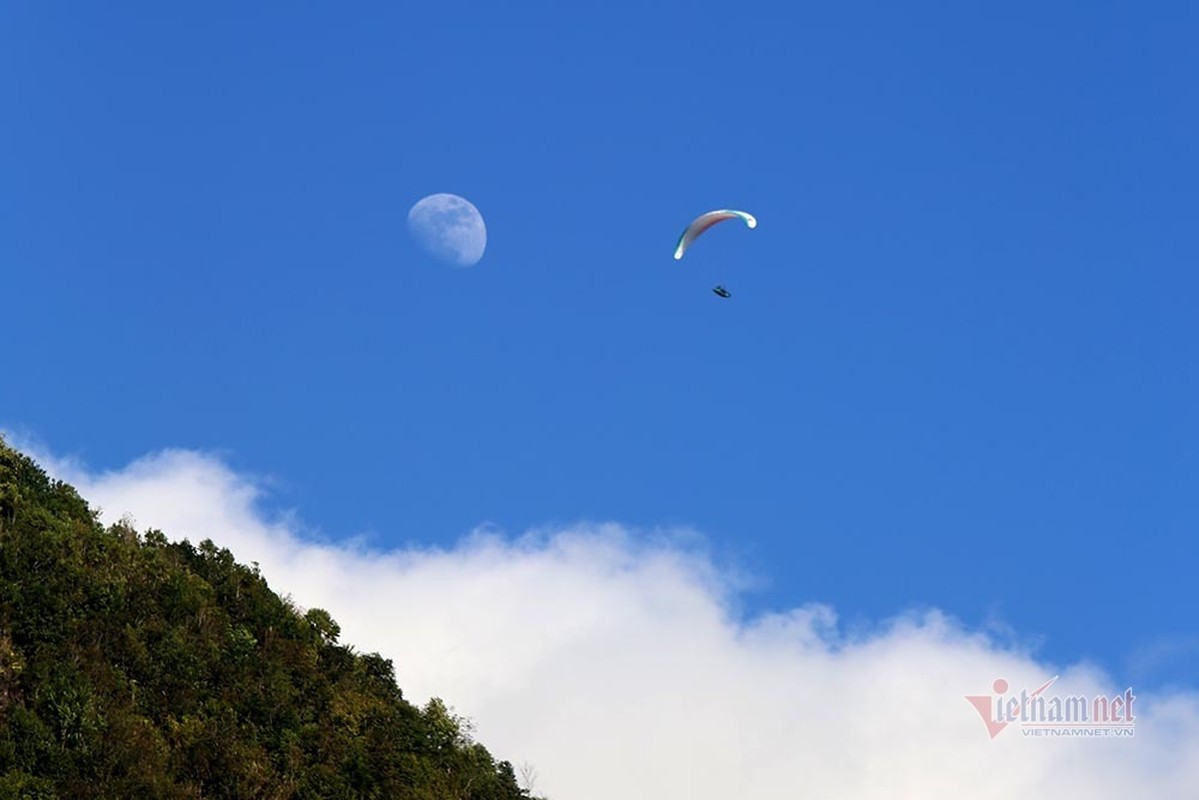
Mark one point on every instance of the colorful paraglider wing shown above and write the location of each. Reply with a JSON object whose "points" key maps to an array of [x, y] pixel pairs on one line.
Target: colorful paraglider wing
{"points": [[705, 221]]}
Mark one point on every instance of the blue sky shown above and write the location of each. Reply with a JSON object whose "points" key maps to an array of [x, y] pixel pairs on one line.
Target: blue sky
{"points": [[958, 369]]}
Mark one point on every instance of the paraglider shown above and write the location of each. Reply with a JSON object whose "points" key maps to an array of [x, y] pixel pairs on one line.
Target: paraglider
{"points": [[705, 221], [701, 224]]}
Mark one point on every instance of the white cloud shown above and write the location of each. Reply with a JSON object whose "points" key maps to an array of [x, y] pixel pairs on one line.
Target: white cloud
{"points": [[617, 668]]}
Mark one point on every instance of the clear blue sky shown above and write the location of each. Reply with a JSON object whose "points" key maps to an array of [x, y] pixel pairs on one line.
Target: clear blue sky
{"points": [[959, 368]]}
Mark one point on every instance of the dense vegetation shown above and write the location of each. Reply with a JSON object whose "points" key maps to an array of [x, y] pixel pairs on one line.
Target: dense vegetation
{"points": [[134, 667]]}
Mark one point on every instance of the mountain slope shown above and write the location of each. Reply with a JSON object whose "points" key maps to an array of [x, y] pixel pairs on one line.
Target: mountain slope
{"points": [[131, 666]]}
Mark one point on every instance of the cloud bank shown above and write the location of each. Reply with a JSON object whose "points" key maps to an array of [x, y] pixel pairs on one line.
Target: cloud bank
{"points": [[618, 668]]}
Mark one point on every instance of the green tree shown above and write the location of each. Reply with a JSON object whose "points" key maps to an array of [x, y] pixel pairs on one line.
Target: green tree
{"points": [[134, 666]]}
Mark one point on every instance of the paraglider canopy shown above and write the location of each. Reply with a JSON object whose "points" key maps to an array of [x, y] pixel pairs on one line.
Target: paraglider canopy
{"points": [[705, 221]]}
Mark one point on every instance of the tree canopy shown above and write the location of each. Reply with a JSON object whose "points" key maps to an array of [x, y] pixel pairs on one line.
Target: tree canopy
{"points": [[134, 666]]}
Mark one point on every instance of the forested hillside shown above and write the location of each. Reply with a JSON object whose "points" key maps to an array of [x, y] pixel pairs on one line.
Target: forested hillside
{"points": [[134, 667]]}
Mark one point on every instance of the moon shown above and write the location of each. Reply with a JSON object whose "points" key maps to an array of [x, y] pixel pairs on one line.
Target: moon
{"points": [[449, 228]]}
